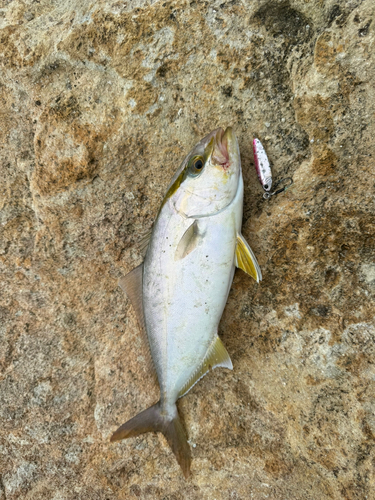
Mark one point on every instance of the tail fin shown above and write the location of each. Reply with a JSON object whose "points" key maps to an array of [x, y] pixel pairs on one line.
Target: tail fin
{"points": [[170, 425]]}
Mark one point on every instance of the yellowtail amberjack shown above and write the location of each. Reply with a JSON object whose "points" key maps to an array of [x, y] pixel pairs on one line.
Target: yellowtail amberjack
{"points": [[180, 290]]}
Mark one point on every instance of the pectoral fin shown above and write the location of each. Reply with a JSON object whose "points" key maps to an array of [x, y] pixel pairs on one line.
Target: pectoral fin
{"points": [[188, 242], [216, 356], [246, 260], [132, 286]]}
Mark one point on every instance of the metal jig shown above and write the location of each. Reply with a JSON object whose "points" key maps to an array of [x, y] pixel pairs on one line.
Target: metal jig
{"points": [[264, 172]]}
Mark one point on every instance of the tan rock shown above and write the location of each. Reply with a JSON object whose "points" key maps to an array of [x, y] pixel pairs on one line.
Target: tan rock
{"points": [[99, 103]]}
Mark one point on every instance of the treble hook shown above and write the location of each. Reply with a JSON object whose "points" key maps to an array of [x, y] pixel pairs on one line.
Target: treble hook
{"points": [[267, 195]]}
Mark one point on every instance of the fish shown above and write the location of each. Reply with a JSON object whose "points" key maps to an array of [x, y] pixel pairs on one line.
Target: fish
{"points": [[180, 290]]}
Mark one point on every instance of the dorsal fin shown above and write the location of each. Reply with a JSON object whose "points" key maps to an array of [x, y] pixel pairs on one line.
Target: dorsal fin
{"points": [[132, 286], [216, 356], [246, 260]]}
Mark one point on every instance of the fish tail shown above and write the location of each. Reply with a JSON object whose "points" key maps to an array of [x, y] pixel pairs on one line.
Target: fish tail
{"points": [[155, 420]]}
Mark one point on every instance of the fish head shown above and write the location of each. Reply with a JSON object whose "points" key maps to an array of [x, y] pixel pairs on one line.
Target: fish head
{"points": [[208, 179]]}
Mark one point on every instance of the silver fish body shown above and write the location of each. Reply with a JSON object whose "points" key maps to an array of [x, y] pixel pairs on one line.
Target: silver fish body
{"points": [[184, 282], [186, 296]]}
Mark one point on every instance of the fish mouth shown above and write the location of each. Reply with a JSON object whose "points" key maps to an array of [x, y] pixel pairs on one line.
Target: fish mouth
{"points": [[224, 146]]}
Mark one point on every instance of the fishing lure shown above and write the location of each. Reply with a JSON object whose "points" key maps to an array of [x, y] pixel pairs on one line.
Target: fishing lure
{"points": [[264, 172]]}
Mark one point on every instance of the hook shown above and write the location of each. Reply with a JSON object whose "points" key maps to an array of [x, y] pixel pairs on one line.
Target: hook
{"points": [[268, 195]]}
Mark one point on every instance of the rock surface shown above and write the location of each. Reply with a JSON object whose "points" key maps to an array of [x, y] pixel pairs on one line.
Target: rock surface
{"points": [[100, 101]]}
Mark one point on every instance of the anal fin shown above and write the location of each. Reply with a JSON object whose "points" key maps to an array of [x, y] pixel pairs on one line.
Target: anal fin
{"points": [[216, 356], [246, 260]]}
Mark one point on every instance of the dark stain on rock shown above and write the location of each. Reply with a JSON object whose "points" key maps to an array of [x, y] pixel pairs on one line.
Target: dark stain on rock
{"points": [[365, 29], [65, 108], [338, 14], [321, 310], [227, 90], [331, 277], [334, 13], [282, 19]]}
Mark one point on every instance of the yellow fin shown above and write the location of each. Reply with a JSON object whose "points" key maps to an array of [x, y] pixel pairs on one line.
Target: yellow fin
{"points": [[246, 260], [216, 356]]}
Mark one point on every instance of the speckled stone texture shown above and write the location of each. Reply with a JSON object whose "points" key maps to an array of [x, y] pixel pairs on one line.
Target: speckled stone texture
{"points": [[99, 103]]}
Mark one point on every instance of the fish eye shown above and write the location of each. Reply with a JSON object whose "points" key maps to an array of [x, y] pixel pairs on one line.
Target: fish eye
{"points": [[196, 165]]}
